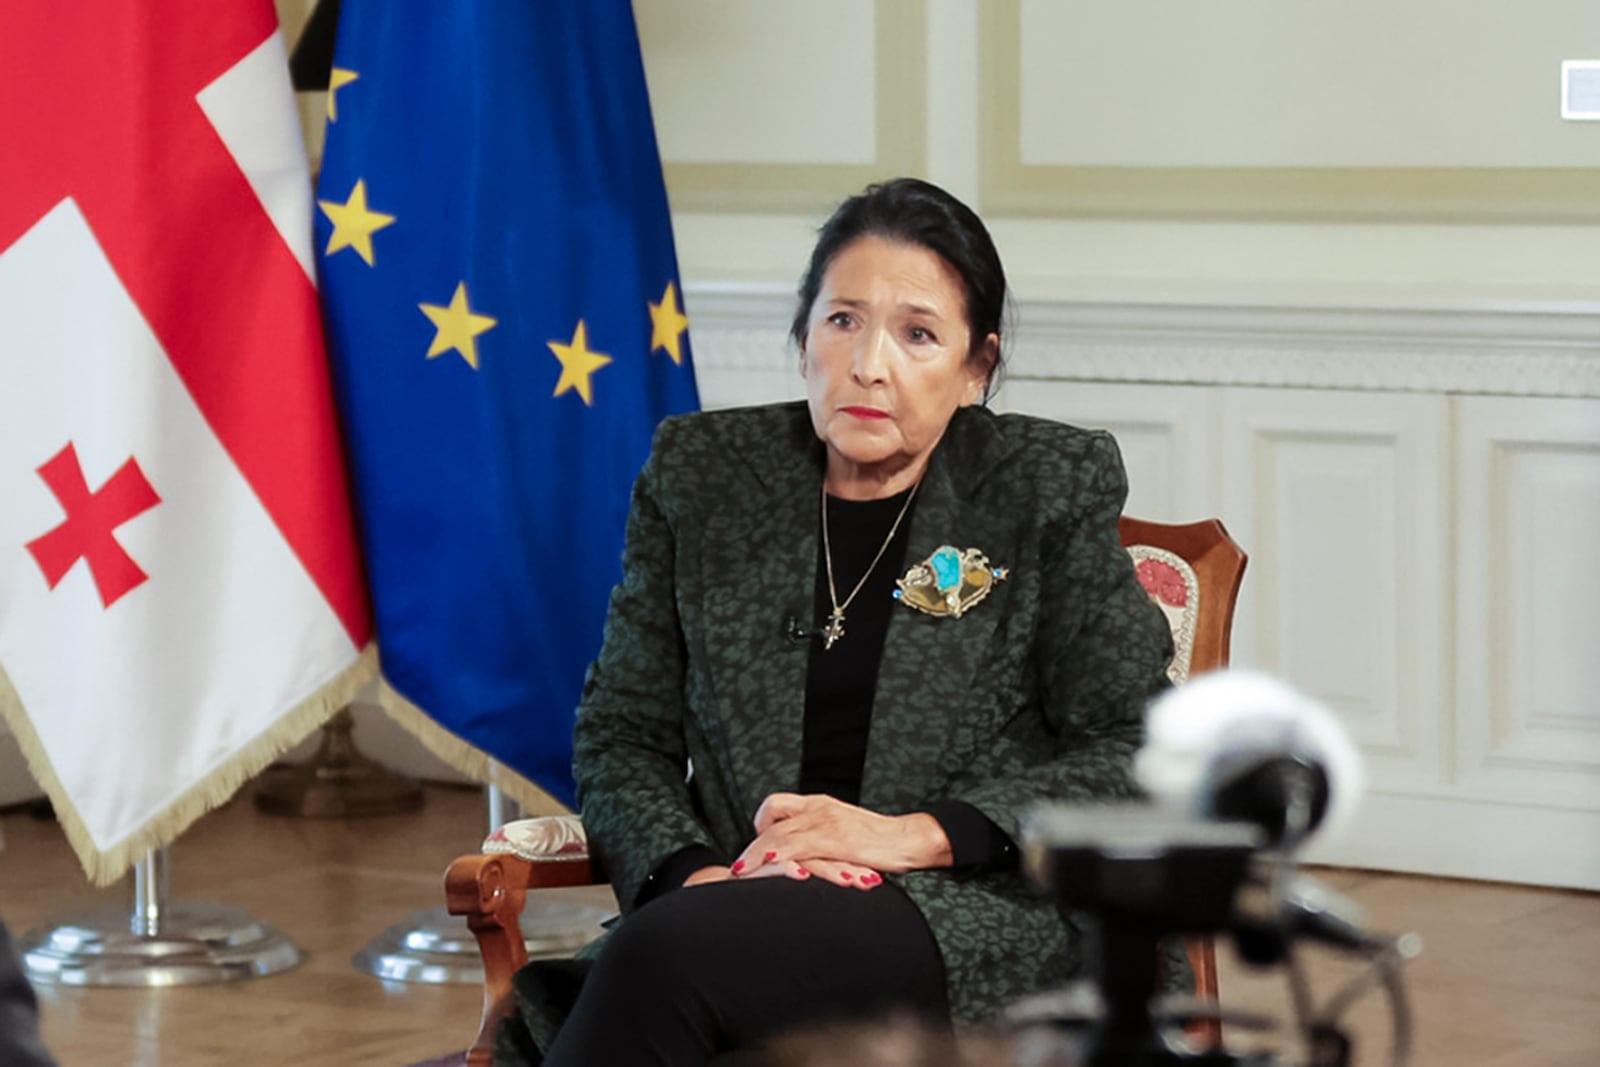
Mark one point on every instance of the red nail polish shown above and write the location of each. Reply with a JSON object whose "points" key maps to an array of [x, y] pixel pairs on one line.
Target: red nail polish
{"points": [[870, 879], [845, 875], [770, 857], [804, 873], [737, 867]]}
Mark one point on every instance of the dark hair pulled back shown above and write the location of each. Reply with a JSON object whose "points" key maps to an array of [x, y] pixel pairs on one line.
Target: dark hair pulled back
{"points": [[914, 212]]}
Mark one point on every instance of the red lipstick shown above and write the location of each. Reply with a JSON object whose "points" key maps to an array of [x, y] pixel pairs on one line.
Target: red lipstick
{"points": [[865, 412]]}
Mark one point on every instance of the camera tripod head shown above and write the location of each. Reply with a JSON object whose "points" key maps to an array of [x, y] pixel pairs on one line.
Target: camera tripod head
{"points": [[1142, 875]]}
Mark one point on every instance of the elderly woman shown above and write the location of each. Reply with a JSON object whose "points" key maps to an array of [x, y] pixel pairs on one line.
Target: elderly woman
{"points": [[855, 638]]}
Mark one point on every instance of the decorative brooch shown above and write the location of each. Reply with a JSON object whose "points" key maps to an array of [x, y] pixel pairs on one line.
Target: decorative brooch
{"points": [[949, 582]]}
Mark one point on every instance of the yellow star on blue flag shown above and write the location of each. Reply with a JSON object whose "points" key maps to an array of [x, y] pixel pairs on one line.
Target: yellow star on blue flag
{"points": [[458, 327]]}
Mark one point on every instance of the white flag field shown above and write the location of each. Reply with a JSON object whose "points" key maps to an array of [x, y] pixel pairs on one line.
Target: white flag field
{"points": [[181, 596]]}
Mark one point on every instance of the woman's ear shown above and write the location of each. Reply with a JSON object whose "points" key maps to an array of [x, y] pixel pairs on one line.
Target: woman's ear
{"points": [[981, 368]]}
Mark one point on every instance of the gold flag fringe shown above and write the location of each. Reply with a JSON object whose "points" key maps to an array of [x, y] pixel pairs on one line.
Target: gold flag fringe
{"points": [[105, 867], [468, 759]]}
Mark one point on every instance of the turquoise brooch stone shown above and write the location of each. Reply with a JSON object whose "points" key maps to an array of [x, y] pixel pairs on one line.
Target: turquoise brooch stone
{"points": [[946, 564]]}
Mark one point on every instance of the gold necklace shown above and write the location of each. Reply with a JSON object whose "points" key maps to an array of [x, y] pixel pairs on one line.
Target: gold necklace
{"points": [[835, 628]]}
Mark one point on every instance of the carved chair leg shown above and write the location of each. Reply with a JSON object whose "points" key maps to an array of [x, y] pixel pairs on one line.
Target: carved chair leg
{"points": [[489, 891]]}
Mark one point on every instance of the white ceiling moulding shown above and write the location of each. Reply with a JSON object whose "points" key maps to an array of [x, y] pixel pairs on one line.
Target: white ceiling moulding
{"points": [[1538, 350]]}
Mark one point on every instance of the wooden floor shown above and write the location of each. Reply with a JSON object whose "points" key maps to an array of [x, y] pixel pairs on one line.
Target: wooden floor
{"points": [[1509, 977]]}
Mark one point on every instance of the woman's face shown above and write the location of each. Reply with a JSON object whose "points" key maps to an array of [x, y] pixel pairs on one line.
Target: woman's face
{"points": [[885, 358]]}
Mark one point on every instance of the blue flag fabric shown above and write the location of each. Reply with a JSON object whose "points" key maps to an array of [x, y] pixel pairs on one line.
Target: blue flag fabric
{"points": [[506, 328]]}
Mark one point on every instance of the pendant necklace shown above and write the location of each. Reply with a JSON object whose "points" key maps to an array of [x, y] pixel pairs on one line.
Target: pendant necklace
{"points": [[835, 628]]}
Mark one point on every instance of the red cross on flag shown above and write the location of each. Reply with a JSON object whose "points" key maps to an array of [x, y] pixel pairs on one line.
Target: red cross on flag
{"points": [[180, 593]]}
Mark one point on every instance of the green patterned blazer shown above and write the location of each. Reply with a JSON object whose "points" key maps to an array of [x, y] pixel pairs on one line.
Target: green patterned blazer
{"points": [[1036, 692]]}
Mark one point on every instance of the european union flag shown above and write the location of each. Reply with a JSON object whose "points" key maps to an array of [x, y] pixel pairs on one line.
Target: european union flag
{"points": [[506, 328]]}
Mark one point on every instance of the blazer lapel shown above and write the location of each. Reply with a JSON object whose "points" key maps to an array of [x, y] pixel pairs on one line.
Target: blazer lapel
{"points": [[757, 559], [931, 667]]}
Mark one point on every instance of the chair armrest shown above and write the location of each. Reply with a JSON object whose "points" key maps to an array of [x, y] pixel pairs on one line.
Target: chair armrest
{"points": [[490, 889]]}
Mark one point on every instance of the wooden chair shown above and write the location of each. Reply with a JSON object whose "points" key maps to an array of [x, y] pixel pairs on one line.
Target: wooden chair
{"points": [[1192, 572]]}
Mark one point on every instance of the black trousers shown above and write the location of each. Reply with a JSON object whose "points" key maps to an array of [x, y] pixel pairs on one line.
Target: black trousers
{"points": [[20, 1045], [713, 968]]}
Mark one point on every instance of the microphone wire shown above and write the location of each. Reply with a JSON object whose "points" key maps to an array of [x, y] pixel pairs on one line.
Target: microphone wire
{"points": [[1296, 824], [1383, 968]]}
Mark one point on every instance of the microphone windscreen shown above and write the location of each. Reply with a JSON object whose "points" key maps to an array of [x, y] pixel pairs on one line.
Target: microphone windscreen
{"points": [[1204, 738]]}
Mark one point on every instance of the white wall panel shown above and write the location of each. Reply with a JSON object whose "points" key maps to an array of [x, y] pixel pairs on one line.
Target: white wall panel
{"points": [[1340, 500], [1265, 83], [1164, 433], [735, 82], [1459, 837], [731, 387], [1528, 587]]}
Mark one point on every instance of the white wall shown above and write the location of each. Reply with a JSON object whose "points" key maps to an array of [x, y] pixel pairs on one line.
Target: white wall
{"points": [[1355, 95]]}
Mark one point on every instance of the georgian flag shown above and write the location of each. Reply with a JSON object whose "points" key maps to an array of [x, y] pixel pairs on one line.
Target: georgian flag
{"points": [[180, 594]]}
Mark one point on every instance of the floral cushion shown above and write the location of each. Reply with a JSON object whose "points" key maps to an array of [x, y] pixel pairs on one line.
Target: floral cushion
{"points": [[548, 838], [1172, 584]]}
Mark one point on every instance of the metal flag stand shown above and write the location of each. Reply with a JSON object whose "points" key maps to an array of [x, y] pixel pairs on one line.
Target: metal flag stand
{"points": [[159, 944], [434, 947], [339, 782]]}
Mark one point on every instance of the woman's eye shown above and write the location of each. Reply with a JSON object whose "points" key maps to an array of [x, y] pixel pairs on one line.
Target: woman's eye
{"points": [[920, 335], [840, 319]]}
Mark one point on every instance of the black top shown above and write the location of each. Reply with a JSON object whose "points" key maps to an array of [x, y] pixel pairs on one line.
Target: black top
{"points": [[840, 685], [841, 681]]}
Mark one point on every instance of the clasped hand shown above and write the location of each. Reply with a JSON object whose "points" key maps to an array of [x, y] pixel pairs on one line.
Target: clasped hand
{"points": [[817, 836]]}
